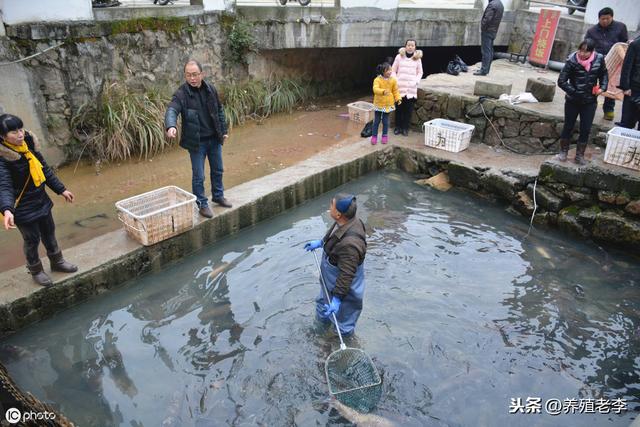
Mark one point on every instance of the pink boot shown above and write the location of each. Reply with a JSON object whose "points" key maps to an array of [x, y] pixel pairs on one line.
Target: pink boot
{"points": [[385, 139], [374, 139]]}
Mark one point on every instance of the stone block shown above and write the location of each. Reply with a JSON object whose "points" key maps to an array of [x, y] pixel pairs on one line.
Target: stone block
{"points": [[543, 130], [491, 88], [523, 203], [601, 179], [633, 208], [563, 173], [568, 221], [454, 107], [502, 185], [511, 128], [543, 89], [506, 112], [613, 227], [546, 198], [464, 176]]}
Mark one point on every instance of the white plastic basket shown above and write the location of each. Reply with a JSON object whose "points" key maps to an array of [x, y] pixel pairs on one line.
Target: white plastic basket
{"points": [[157, 215], [623, 148], [360, 111], [447, 135]]}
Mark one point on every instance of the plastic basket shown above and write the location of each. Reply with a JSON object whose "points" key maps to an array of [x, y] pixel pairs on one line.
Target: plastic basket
{"points": [[360, 111], [447, 135], [157, 215], [623, 148]]}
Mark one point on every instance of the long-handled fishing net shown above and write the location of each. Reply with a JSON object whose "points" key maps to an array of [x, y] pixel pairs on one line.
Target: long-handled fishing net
{"points": [[351, 375]]}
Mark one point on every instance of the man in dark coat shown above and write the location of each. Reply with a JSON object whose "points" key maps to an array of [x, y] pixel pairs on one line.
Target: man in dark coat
{"points": [[605, 34], [630, 84], [204, 131], [489, 24]]}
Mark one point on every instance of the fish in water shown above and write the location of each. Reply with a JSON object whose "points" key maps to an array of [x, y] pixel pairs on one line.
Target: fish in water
{"points": [[360, 419], [543, 252]]}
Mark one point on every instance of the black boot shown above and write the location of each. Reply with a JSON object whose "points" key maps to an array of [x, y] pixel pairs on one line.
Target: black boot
{"points": [[580, 149], [59, 264], [564, 150], [38, 274]]}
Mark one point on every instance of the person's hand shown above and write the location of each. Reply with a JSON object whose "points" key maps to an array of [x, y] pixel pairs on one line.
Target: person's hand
{"points": [[172, 132], [8, 220], [225, 137], [385, 92], [627, 92], [333, 307], [68, 196], [313, 245], [399, 101]]}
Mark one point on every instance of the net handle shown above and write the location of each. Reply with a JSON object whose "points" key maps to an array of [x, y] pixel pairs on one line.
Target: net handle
{"points": [[326, 294]]}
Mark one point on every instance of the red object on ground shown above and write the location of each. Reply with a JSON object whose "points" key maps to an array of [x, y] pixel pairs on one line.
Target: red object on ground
{"points": [[545, 35]]}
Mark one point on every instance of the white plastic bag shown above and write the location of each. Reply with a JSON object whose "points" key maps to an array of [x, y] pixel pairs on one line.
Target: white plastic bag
{"points": [[518, 99]]}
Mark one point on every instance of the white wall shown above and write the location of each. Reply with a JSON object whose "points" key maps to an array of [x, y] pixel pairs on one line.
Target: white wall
{"points": [[19, 11], [213, 5], [380, 4], [627, 11]]}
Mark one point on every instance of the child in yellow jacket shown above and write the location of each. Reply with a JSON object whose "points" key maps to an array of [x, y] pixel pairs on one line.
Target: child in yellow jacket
{"points": [[385, 97]]}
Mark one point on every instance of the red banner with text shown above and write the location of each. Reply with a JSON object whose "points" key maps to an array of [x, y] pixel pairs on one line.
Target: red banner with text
{"points": [[545, 35]]}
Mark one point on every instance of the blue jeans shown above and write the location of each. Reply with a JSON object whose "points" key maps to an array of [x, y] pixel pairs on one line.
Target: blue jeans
{"points": [[384, 117], [212, 150]]}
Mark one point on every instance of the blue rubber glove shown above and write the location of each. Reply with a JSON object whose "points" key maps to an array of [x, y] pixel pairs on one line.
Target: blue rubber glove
{"points": [[313, 245], [333, 307]]}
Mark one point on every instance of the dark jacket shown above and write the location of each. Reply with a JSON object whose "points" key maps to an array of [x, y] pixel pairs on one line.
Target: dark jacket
{"points": [[607, 37], [14, 172], [578, 83], [630, 74], [186, 101], [346, 249], [492, 16]]}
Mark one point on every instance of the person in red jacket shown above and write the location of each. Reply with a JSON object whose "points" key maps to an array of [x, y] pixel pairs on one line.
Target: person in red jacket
{"points": [[23, 200]]}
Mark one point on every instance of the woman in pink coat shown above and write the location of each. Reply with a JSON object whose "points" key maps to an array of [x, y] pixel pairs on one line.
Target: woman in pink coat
{"points": [[407, 69]]}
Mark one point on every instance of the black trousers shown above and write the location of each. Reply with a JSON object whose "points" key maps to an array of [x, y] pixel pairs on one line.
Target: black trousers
{"points": [[571, 112], [630, 111], [403, 113], [32, 232]]}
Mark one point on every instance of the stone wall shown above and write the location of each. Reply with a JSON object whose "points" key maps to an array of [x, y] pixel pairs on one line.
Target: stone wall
{"points": [[521, 130], [599, 202], [142, 53]]}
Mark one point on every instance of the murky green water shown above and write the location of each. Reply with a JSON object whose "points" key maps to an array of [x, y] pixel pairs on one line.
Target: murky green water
{"points": [[462, 313]]}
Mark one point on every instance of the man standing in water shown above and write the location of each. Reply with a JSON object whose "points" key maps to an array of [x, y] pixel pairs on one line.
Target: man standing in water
{"points": [[344, 249], [204, 131]]}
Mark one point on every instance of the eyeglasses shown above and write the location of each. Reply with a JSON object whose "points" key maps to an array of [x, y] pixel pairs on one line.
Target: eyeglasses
{"points": [[190, 75]]}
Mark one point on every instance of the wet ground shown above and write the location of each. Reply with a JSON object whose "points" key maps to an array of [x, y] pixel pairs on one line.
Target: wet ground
{"points": [[464, 316], [253, 150]]}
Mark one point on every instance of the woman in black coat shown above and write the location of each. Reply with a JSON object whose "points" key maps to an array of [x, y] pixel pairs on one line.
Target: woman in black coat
{"points": [[23, 200], [583, 77]]}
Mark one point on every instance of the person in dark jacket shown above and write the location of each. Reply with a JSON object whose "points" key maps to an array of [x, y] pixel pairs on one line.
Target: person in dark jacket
{"points": [[605, 34], [344, 249], [583, 77], [204, 131], [23, 200], [630, 84], [489, 24]]}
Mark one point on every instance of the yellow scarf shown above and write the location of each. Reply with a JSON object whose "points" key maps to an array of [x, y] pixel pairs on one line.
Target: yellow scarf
{"points": [[35, 167]]}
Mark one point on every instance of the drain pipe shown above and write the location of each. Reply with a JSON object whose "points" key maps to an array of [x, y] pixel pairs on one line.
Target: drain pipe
{"points": [[553, 65]]}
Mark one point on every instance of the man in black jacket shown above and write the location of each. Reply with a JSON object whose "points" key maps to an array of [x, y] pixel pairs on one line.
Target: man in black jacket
{"points": [[630, 84], [204, 130], [605, 34], [488, 29]]}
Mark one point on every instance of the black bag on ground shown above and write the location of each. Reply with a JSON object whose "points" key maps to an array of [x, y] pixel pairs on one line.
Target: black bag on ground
{"points": [[453, 68], [367, 130], [463, 66]]}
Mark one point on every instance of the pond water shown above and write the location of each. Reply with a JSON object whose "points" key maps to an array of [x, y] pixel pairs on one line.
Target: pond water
{"points": [[463, 313]]}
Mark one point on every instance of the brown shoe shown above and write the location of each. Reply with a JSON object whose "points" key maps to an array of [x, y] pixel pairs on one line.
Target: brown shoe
{"points": [[38, 274], [222, 202], [206, 212]]}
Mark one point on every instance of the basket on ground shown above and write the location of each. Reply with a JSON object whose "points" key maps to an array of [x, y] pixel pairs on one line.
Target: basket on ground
{"points": [[157, 215], [360, 111], [623, 148], [447, 135]]}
